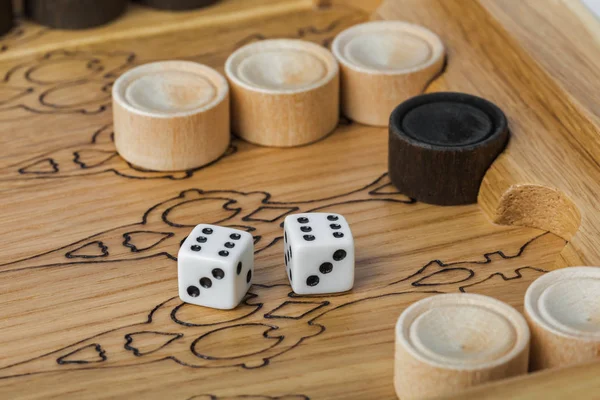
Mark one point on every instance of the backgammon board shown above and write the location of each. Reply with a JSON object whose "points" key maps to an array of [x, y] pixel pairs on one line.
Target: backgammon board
{"points": [[88, 267]]}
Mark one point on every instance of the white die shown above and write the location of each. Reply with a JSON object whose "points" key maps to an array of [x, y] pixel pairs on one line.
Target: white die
{"points": [[319, 253], [215, 266]]}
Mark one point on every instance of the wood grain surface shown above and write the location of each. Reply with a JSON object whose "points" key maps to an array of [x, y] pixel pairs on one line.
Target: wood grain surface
{"points": [[580, 382], [88, 272], [177, 5]]}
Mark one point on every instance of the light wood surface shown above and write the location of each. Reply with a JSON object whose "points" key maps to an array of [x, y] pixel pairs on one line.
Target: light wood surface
{"points": [[88, 278], [171, 115], [384, 63], [450, 342], [567, 25], [284, 92], [177, 5], [139, 22], [563, 310], [579, 382]]}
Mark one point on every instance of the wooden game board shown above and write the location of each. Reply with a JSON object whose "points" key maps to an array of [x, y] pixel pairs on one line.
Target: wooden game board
{"points": [[88, 287]]}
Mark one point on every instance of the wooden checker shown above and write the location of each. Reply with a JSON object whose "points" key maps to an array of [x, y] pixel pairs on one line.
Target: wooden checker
{"points": [[451, 342], [563, 310], [73, 14], [88, 286], [6, 16]]}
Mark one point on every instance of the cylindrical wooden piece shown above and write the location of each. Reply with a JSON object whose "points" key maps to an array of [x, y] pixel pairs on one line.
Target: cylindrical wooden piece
{"points": [[563, 311], [449, 342], [177, 5], [441, 145], [171, 115], [6, 16], [283, 92], [382, 64], [74, 14]]}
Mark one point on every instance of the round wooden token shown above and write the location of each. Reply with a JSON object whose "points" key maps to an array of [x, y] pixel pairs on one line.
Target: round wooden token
{"points": [[284, 92], [441, 145], [449, 342], [171, 115], [6, 16], [563, 310], [382, 64], [74, 14], [177, 5]]}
